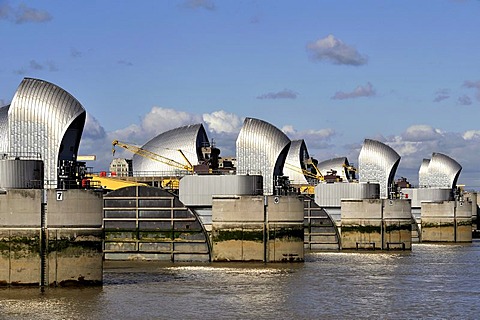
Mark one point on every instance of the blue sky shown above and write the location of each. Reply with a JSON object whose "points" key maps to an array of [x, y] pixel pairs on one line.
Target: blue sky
{"points": [[406, 73]]}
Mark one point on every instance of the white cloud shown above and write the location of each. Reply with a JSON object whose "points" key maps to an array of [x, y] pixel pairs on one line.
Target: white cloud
{"points": [[93, 129], [314, 139], [284, 94], [418, 133], [472, 135], [160, 119], [335, 51], [360, 91], [222, 122]]}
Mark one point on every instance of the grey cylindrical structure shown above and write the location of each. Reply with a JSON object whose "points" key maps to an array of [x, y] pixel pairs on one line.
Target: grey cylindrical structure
{"points": [[21, 174]]}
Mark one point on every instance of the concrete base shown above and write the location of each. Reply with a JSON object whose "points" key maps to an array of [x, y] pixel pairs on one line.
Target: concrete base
{"points": [[74, 236], [446, 221], [376, 224], [257, 228]]}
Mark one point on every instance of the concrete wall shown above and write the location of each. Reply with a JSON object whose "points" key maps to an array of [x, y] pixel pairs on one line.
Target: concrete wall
{"points": [[74, 243], [377, 224], [446, 221], [257, 228]]}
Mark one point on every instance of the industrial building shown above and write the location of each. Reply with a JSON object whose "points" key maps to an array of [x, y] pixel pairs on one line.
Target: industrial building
{"points": [[43, 122], [50, 228]]}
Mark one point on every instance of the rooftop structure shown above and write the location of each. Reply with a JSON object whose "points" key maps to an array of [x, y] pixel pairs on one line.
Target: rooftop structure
{"points": [[339, 165], [261, 149], [378, 163], [173, 144], [43, 121], [440, 171], [295, 162]]}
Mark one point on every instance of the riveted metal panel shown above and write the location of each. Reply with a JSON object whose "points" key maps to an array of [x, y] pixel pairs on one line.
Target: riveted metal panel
{"points": [[189, 139], [297, 154], [378, 163], [261, 149], [40, 116], [423, 173]]}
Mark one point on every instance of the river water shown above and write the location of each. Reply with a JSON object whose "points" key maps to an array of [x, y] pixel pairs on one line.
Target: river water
{"points": [[430, 282]]}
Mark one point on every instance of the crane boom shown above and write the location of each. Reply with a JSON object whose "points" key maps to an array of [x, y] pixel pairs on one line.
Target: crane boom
{"points": [[152, 156], [307, 173]]}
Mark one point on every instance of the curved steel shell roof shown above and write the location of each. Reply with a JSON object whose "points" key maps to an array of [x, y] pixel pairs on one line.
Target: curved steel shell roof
{"points": [[45, 120], [189, 139], [261, 149], [338, 164], [378, 162], [297, 154], [423, 173], [4, 129], [441, 172]]}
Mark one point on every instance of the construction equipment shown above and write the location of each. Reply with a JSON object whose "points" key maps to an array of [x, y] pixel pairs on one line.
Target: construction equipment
{"points": [[153, 156], [318, 175]]}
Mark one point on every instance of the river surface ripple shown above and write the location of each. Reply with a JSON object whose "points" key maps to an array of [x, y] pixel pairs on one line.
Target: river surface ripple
{"points": [[430, 282]]}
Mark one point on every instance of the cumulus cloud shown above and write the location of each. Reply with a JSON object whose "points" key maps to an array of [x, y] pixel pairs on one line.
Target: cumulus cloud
{"points": [[417, 133], [222, 122], [335, 51], [3, 103], [93, 129], [464, 100], [473, 85], [284, 94], [471, 135], [315, 139], [441, 94], [360, 91], [200, 4], [23, 14]]}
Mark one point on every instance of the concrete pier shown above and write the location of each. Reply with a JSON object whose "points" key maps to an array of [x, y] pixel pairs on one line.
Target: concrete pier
{"points": [[447, 221], [376, 224], [72, 237], [257, 228]]}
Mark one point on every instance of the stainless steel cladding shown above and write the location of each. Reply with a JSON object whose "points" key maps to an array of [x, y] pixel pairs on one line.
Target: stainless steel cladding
{"points": [[45, 120], [197, 190], [189, 139], [294, 164], [440, 172], [261, 149], [4, 129], [339, 165], [21, 174], [378, 162], [423, 173]]}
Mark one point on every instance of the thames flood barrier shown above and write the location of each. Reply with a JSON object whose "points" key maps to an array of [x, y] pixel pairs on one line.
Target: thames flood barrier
{"points": [[257, 228], [50, 237], [376, 224], [447, 221]]}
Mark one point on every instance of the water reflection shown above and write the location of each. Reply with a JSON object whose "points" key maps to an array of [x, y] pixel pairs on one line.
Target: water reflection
{"points": [[432, 281]]}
